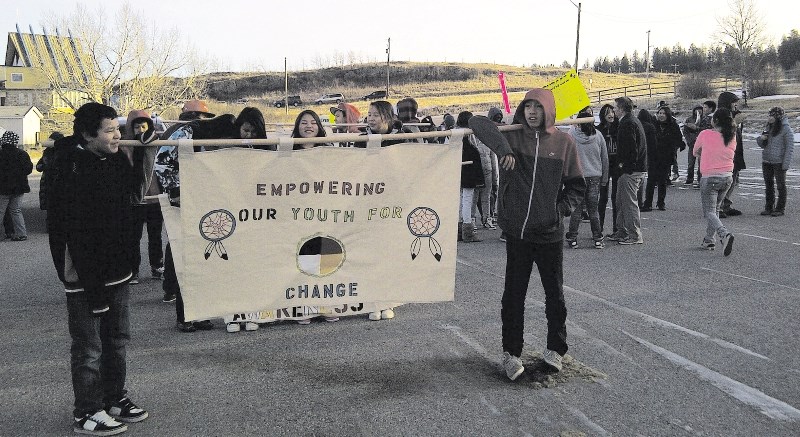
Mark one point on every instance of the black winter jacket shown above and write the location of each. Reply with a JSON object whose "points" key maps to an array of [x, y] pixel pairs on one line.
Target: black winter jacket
{"points": [[90, 218], [15, 166], [631, 145]]}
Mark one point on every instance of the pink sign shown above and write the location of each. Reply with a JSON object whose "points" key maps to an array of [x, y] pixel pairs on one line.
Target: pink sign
{"points": [[502, 77]]}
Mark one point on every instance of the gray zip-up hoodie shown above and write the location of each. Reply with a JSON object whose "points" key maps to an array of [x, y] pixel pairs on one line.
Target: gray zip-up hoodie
{"points": [[778, 149], [547, 176]]}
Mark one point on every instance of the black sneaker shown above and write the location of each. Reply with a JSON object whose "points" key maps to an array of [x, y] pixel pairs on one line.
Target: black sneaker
{"points": [[99, 423], [185, 326], [204, 325], [169, 297], [126, 411], [157, 273]]}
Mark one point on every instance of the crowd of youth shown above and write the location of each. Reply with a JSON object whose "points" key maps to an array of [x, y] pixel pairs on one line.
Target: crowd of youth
{"points": [[99, 197]]}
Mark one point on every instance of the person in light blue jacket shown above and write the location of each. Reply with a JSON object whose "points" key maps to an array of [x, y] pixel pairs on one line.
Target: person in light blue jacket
{"points": [[777, 140]]}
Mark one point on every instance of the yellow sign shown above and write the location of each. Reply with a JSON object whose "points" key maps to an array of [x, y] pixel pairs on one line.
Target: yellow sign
{"points": [[569, 93]]}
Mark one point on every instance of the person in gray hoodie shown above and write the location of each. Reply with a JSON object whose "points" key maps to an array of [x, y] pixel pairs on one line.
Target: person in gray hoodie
{"points": [[594, 162], [540, 177], [778, 144]]}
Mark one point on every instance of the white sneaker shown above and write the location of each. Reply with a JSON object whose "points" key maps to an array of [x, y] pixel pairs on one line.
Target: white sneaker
{"points": [[331, 319], [251, 326], [512, 365], [727, 244], [233, 327], [387, 314], [376, 315], [304, 322], [99, 423], [553, 359]]}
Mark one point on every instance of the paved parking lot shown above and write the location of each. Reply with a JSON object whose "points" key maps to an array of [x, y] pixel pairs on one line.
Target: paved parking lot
{"points": [[666, 340]]}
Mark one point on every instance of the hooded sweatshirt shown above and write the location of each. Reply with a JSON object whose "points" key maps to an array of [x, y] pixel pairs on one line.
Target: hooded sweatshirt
{"points": [[593, 153], [547, 176], [778, 149]]}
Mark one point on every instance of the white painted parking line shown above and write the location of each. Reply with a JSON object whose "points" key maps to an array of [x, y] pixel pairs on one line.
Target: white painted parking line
{"points": [[751, 279], [646, 317], [769, 239], [471, 342], [767, 405], [670, 325]]}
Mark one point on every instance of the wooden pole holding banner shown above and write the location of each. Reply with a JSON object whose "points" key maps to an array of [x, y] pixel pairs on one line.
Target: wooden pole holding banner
{"points": [[234, 142]]}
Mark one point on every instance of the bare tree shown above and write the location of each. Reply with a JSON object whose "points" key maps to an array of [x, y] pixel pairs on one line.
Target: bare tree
{"points": [[743, 29], [126, 61]]}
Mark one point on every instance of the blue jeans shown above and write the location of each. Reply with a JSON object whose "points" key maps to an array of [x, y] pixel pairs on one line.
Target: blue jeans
{"points": [[13, 203], [98, 350], [712, 193], [628, 218], [590, 199]]}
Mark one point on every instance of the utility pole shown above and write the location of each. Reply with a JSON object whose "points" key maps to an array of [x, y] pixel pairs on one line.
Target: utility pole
{"points": [[285, 85], [675, 68], [577, 38], [388, 55], [647, 60]]}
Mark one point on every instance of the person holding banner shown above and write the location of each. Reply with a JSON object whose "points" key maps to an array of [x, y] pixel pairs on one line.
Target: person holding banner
{"points": [[145, 212], [250, 125], [471, 179], [166, 170], [540, 177], [346, 114], [308, 125], [90, 223], [381, 120]]}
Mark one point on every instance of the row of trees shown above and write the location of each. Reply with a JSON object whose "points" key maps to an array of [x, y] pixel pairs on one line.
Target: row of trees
{"points": [[739, 47], [720, 59]]}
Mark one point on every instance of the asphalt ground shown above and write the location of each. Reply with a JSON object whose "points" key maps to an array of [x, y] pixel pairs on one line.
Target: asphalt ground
{"points": [[666, 339]]}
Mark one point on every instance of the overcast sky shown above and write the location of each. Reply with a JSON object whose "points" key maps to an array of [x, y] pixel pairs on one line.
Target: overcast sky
{"points": [[257, 35]]}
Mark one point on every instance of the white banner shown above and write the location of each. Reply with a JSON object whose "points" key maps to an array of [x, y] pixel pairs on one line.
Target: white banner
{"points": [[321, 228]]}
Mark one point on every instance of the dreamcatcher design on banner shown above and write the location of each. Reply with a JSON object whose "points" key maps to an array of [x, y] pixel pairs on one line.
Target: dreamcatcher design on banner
{"points": [[216, 226], [423, 222]]}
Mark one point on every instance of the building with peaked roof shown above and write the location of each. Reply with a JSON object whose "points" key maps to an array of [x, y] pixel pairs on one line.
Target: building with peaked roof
{"points": [[29, 59], [25, 121]]}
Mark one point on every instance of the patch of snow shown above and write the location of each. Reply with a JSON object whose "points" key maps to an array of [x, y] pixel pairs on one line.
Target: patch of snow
{"points": [[777, 97]]}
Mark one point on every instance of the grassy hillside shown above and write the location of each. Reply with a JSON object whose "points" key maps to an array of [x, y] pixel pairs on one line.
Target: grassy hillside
{"points": [[438, 87]]}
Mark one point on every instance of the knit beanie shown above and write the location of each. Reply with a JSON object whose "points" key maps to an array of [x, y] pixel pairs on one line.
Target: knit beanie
{"points": [[9, 138]]}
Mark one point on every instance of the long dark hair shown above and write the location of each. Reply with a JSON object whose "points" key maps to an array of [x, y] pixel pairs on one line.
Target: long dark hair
{"points": [[587, 128], [645, 116], [723, 119], [668, 113], [296, 131], [604, 125], [255, 118]]}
